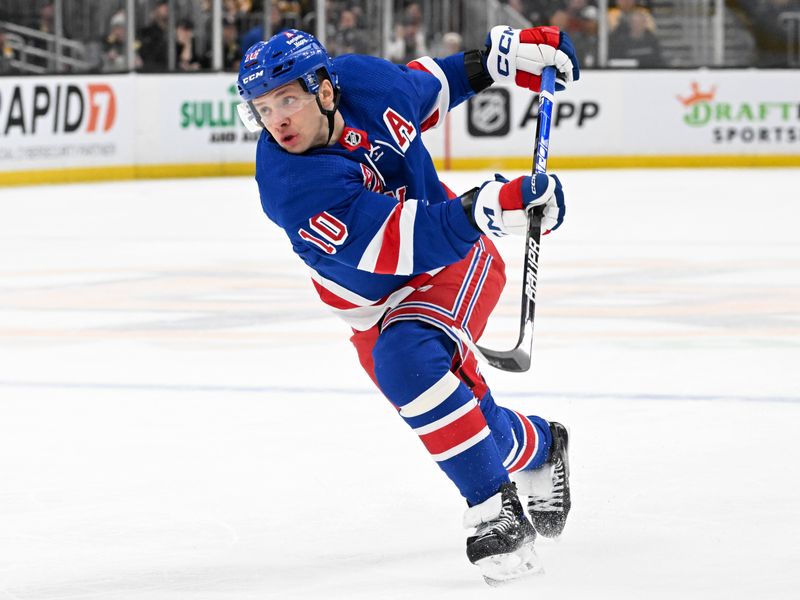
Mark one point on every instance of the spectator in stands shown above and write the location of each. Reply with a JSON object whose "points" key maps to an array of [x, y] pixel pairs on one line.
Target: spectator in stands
{"points": [[47, 18], [231, 50], [408, 42], [452, 43], [348, 38], [153, 39], [246, 6], [536, 11], [284, 15], [290, 14], [239, 11], [620, 16], [6, 54], [635, 42], [185, 47], [45, 24], [115, 44], [774, 43], [413, 12], [579, 19]]}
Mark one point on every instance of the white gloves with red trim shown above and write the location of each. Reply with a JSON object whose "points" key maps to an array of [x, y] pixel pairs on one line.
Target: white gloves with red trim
{"points": [[519, 55], [500, 207]]}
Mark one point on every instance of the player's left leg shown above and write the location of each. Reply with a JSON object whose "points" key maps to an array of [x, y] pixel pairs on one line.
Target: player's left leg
{"points": [[412, 363], [523, 440], [412, 367], [534, 451]]}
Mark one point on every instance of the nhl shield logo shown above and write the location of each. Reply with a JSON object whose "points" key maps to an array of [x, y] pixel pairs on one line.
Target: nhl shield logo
{"points": [[353, 138], [489, 113]]}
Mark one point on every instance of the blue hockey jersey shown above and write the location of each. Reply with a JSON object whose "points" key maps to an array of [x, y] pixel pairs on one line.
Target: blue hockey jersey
{"points": [[368, 214]]}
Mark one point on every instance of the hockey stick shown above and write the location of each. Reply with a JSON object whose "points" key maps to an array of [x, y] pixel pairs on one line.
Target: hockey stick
{"points": [[518, 359]]}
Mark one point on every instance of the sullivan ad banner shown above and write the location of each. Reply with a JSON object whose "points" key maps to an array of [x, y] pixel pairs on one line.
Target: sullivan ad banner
{"points": [[187, 124], [191, 119]]}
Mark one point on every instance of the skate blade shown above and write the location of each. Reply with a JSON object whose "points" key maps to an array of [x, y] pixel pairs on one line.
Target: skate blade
{"points": [[503, 568]]}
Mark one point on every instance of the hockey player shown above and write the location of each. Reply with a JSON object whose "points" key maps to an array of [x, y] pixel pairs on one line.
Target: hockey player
{"points": [[341, 167]]}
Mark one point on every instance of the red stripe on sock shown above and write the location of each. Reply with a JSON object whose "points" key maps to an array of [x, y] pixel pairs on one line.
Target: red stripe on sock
{"points": [[530, 445], [455, 433]]}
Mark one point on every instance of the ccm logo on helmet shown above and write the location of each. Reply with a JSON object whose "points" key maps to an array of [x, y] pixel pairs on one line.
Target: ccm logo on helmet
{"points": [[504, 47], [255, 75]]}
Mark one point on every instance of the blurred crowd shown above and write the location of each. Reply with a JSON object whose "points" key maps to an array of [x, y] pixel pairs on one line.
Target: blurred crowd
{"points": [[633, 26], [633, 33]]}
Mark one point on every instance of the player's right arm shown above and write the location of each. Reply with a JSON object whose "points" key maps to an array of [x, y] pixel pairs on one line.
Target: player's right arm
{"points": [[515, 56]]}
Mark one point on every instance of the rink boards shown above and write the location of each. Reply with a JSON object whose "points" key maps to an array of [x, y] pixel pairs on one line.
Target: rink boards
{"points": [[74, 128]]}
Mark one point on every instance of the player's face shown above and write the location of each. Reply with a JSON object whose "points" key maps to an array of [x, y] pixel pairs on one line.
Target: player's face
{"points": [[292, 117]]}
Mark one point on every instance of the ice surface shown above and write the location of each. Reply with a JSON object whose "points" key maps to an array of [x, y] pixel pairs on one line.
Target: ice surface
{"points": [[181, 418]]}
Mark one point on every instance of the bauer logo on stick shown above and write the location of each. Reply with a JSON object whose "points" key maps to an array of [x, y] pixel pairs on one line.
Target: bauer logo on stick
{"points": [[532, 275]]}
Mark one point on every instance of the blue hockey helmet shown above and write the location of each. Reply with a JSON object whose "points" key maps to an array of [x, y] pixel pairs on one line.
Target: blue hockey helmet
{"points": [[288, 56]]}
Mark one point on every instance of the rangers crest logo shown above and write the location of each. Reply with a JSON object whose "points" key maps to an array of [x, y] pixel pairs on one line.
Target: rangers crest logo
{"points": [[371, 180]]}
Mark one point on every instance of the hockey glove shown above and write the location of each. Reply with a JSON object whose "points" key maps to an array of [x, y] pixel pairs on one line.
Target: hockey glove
{"points": [[519, 55], [499, 207]]}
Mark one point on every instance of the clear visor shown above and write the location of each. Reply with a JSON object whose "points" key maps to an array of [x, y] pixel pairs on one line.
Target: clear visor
{"points": [[273, 108], [248, 117]]}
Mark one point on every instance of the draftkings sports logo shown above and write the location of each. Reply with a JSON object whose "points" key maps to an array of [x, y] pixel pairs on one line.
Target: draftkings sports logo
{"points": [[489, 113], [738, 121]]}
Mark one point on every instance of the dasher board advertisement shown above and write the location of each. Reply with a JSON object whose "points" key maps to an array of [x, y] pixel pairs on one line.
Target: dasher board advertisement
{"points": [[63, 122]]}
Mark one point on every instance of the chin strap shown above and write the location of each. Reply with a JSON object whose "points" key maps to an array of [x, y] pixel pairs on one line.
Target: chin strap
{"points": [[330, 113]]}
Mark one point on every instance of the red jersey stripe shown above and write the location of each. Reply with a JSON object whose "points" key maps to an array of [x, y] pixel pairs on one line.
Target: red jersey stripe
{"points": [[389, 253]]}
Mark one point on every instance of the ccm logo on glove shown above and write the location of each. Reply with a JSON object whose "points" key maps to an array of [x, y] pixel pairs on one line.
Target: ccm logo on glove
{"points": [[519, 55], [504, 47]]}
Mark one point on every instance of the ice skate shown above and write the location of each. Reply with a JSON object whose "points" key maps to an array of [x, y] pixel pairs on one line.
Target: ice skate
{"points": [[502, 546], [547, 488]]}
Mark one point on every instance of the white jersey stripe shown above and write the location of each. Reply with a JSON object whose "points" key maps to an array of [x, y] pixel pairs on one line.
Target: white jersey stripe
{"points": [[443, 100], [367, 312], [370, 257], [432, 397], [341, 291], [408, 215]]}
